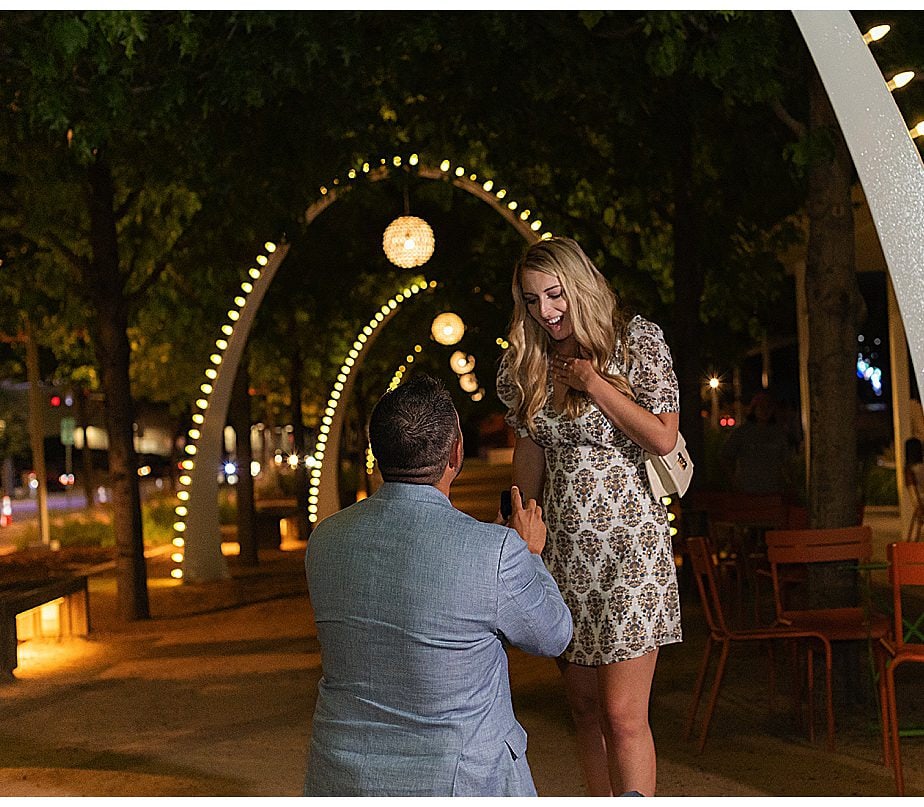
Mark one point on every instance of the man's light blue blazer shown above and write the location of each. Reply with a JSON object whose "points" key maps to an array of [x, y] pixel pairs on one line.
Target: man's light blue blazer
{"points": [[412, 599]]}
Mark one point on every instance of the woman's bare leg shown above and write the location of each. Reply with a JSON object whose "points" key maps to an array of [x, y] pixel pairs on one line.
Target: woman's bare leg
{"points": [[624, 692], [583, 697]]}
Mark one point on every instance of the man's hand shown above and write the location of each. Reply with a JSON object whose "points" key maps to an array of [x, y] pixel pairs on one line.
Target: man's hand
{"points": [[527, 521]]}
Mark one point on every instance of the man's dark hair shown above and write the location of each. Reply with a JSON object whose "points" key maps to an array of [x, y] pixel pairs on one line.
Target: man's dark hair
{"points": [[412, 429]]}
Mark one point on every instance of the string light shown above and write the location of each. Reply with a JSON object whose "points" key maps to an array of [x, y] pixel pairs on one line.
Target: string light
{"points": [[899, 80], [447, 328], [408, 242], [468, 382], [349, 361], [402, 369], [876, 33], [462, 177], [206, 387], [461, 363]]}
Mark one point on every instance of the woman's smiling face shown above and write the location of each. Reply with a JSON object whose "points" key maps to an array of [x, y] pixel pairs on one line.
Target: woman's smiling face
{"points": [[546, 302]]}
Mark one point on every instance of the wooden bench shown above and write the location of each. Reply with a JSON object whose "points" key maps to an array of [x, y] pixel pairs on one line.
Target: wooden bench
{"points": [[18, 597]]}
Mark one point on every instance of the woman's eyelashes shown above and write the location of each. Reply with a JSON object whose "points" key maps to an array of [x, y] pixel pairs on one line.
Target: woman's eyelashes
{"points": [[533, 300]]}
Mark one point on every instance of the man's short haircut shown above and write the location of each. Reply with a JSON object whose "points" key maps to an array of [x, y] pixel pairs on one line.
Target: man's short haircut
{"points": [[412, 430]]}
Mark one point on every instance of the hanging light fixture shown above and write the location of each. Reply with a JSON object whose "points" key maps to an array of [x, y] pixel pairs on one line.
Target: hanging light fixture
{"points": [[461, 363], [447, 328], [408, 241], [468, 382]]}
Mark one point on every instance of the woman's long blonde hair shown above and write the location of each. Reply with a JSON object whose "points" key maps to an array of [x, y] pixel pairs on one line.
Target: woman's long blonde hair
{"points": [[599, 320]]}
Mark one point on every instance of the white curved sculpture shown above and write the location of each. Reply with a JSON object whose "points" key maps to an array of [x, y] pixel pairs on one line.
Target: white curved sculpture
{"points": [[202, 532], [885, 156]]}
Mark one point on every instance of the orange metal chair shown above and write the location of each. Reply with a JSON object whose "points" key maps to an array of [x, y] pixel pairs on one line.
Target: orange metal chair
{"points": [[852, 545], [735, 523], [703, 564], [906, 568]]}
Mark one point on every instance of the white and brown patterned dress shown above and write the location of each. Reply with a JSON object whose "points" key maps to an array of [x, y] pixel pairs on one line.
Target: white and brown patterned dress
{"points": [[608, 545]]}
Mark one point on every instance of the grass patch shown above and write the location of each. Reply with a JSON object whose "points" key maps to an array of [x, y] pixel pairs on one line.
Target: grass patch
{"points": [[93, 527]]}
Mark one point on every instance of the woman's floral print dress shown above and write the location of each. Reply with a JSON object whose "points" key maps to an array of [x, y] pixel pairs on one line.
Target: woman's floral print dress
{"points": [[608, 545]]}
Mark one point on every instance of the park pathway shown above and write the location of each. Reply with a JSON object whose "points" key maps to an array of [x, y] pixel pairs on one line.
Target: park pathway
{"points": [[213, 697]]}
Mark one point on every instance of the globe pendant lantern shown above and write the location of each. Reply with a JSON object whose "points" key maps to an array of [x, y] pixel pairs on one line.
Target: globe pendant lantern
{"points": [[468, 382], [447, 328], [408, 242], [462, 363]]}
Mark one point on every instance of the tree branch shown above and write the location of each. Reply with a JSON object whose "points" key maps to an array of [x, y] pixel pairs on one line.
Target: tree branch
{"points": [[129, 201], [797, 127], [79, 263], [134, 297]]}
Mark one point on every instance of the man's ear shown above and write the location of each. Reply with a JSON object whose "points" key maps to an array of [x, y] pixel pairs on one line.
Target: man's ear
{"points": [[455, 454]]}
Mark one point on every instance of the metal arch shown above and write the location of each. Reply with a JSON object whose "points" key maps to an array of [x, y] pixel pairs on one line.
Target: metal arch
{"points": [[328, 487], [888, 164], [886, 159], [436, 174], [329, 481], [203, 560]]}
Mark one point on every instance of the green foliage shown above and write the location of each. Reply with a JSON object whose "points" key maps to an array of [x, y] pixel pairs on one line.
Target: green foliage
{"points": [[157, 513], [184, 90], [878, 485], [14, 430], [813, 148]]}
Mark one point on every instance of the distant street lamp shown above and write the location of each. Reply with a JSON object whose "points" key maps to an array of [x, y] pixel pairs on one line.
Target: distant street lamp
{"points": [[408, 242], [447, 328], [714, 395]]}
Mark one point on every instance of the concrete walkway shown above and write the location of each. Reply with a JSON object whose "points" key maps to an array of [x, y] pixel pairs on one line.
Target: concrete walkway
{"points": [[214, 695]]}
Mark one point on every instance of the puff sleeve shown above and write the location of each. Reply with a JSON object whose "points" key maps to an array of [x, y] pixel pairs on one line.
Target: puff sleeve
{"points": [[651, 368], [509, 397]]}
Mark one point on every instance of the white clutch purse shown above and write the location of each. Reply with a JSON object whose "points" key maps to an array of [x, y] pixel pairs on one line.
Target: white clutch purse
{"points": [[670, 474]]}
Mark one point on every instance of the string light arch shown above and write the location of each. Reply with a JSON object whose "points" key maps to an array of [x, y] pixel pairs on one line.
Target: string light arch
{"points": [[323, 491], [197, 539]]}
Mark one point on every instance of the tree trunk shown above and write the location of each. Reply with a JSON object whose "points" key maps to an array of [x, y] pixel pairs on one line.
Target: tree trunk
{"points": [[240, 421], [80, 399], [689, 282], [831, 288], [298, 440], [104, 286], [37, 433]]}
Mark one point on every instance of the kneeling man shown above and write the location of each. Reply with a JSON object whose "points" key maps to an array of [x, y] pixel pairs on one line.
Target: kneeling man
{"points": [[413, 601]]}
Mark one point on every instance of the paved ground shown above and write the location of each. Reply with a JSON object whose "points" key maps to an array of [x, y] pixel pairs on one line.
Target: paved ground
{"points": [[214, 695]]}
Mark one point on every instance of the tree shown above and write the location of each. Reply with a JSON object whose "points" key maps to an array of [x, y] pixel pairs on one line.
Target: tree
{"points": [[85, 94], [643, 135]]}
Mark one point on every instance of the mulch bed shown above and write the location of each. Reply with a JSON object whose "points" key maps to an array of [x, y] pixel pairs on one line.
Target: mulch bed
{"points": [[40, 563]]}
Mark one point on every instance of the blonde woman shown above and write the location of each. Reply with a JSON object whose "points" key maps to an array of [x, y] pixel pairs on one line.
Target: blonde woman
{"points": [[588, 388]]}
